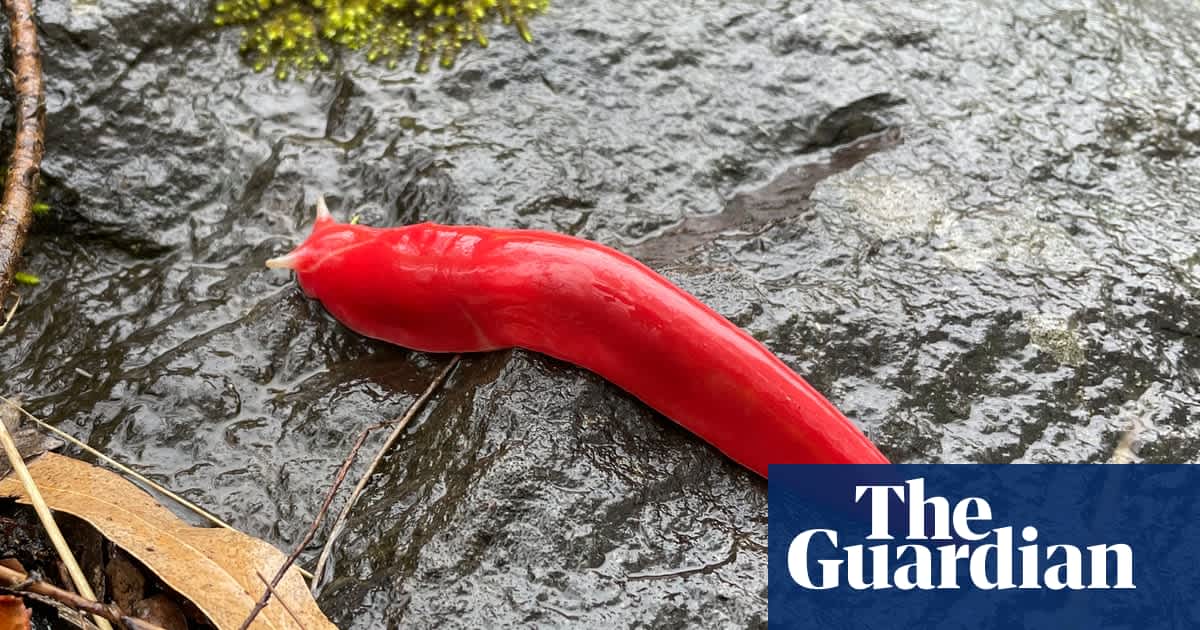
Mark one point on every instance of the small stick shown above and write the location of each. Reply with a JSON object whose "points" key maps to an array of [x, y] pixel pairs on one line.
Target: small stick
{"points": [[20, 582], [329, 495], [11, 312], [47, 519], [401, 423], [286, 608], [25, 161], [128, 471]]}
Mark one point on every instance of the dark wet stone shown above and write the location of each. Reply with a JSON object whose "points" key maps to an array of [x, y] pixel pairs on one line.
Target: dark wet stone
{"points": [[973, 227]]}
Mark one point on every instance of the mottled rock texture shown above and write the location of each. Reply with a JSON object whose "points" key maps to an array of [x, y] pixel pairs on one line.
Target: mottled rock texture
{"points": [[974, 226]]}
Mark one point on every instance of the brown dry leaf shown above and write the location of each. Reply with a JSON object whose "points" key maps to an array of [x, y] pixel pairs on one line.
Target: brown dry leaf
{"points": [[13, 613], [213, 568]]}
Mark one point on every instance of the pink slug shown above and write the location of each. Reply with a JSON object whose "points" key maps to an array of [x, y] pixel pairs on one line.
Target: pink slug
{"points": [[443, 288]]}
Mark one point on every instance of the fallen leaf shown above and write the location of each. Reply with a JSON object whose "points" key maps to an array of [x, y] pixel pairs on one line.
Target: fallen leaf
{"points": [[212, 568], [13, 613]]}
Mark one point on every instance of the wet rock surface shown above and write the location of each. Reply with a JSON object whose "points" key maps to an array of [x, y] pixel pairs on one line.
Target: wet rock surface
{"points": [[972, 226]]}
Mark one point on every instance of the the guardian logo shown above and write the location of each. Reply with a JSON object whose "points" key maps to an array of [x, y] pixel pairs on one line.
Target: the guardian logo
{"points": [[956, 548]]}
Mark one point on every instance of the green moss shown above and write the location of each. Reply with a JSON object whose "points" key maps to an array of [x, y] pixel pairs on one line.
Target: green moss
{"points": [[294, 36]]}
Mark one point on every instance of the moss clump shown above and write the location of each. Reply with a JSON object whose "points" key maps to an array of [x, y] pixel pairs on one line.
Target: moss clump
{"points": [[295, 36]]}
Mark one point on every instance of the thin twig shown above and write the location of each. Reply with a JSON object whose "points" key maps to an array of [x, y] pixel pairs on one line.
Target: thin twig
{"points": [[308, 536], [11, 312], [128, 471], [329, 495], [286, 608], [20, 582], [400, 423], [47, 519], [25, 161]]}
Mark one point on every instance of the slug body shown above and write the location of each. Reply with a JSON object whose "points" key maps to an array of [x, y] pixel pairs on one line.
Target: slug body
{"points": [[439, 288]]}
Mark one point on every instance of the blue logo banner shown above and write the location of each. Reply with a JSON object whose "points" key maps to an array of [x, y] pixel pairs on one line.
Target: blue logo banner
{"points": [[984, 546]]}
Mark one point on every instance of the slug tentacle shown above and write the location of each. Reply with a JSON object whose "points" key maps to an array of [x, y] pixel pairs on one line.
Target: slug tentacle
{"points": [[287, 261], [310, 253], [323, 214]]}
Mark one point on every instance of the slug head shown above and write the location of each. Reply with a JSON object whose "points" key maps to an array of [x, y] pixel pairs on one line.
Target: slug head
{"points": [[304, 257], [377, 283], [323, 246]]}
